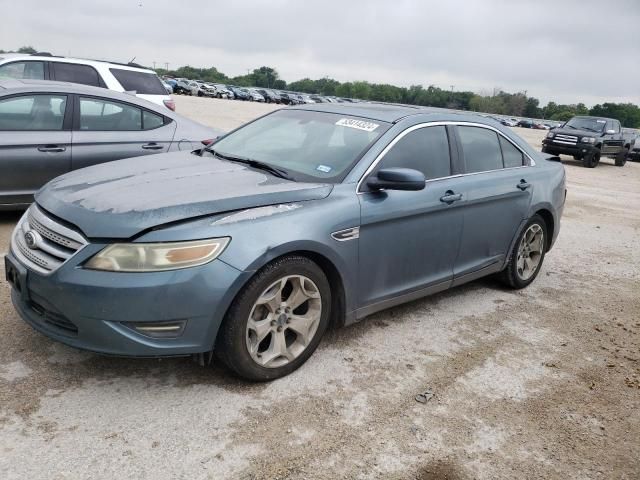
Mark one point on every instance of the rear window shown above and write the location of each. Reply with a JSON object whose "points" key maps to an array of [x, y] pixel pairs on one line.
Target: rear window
{"points": [[70, 72], [141, 82]]}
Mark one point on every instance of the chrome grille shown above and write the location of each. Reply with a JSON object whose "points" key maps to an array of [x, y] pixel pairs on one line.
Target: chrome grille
{"points": [[42, 244], [565, 139]]}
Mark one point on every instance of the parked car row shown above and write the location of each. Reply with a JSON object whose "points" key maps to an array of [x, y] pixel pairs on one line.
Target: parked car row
{"points": [[200, 88]]}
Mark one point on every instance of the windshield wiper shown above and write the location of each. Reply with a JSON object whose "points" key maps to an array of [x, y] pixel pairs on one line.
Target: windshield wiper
{"points": [[571, 126], [278, 172], [591, 129]]}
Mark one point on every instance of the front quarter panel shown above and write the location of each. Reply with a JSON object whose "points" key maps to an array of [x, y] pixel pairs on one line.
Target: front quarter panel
{"points": [[259, 235]]}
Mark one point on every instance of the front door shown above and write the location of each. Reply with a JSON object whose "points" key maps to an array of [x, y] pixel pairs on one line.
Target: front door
{"points": [[35, 144], [409, 240]]}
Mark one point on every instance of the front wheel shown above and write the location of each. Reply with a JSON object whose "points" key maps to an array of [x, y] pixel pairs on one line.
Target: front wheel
{"points": [[276, 321], [591, 160], [527, 255]]}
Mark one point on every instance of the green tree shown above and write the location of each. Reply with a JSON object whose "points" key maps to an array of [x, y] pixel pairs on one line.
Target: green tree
{"points": [[28, 49]]}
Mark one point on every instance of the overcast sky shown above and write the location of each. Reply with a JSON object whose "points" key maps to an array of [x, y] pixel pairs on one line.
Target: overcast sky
{"points": [[563, 50]]}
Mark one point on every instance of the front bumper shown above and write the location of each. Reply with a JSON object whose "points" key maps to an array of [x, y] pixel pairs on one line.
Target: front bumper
{"points": [[89, 309], [580, 149]]}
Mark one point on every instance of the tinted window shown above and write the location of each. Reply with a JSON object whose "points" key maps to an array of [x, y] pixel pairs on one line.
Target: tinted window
{"points": [[511, 155], [141, 82], [23, 70], [69, 72], [151, 120], [33, 112], [480, 148], [425, 150], [107, 115]]}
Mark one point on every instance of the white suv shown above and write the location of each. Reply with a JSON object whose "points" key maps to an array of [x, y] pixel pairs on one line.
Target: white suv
{"points": [[114, 76]]}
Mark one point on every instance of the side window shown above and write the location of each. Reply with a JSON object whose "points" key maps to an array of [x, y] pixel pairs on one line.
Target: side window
{"points": [[511, 156], [151, 120], [30, 70], [480, 148], [107, 115], [32, 112], [616, 126], [69, 72], [425, 149]]}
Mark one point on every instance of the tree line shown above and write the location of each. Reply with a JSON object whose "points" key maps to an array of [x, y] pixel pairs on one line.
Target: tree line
{"points": [[497, 102]]}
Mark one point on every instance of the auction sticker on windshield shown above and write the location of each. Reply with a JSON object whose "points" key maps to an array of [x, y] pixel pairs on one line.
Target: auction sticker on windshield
{"points": [[359, 124]]}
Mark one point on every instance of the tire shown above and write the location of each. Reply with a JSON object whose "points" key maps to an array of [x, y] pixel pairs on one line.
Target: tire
{"points": [[621, 158], [591, 159], [277, 280], [514, 275]]}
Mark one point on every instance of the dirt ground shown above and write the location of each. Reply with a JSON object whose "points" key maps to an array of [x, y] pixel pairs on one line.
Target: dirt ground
{"points": [[541, 383]]}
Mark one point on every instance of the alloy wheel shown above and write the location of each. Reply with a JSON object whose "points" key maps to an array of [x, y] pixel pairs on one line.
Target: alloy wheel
{"points": [[283, 321], [530, 251]]}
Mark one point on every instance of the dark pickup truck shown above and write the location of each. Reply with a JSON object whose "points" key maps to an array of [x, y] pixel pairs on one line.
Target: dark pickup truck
{"points": [[587, 138]]}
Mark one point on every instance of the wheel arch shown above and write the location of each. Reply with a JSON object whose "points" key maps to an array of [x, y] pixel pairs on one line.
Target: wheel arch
{"points": [[547, 216], [329, 262]]}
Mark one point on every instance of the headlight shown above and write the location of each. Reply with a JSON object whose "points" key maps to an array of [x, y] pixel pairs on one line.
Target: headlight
{"points": [[587, 139], [550, 135], [155, 257]]}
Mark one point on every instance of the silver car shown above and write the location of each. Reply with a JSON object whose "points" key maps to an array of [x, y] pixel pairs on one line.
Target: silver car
{"points": [[51, 128]]}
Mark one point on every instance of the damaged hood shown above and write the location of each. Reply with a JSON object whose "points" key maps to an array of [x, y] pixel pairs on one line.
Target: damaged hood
{"points": [[123, 198]]}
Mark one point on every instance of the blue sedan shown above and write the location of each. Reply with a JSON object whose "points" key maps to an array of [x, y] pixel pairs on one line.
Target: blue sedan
{"points": [[308, 216]]}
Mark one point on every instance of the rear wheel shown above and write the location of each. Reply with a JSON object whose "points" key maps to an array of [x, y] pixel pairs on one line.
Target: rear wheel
{"points": [[591, 160], [276, 321], [527, 255], [621, 158]]}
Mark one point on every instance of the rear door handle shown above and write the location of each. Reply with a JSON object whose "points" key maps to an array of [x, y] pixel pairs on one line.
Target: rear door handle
{"points": [[52, 148], [523, 185], [449, 197], [152, 146]]}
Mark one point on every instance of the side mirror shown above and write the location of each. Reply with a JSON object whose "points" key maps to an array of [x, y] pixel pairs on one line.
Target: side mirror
{"points": [[397, 179], [610, 132]]}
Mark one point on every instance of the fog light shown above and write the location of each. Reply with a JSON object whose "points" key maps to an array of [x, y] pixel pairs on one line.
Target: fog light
{"points": [[170, 329]]}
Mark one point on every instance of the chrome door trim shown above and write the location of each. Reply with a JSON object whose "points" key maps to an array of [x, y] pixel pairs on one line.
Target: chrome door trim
{"points": [[398, 137]]}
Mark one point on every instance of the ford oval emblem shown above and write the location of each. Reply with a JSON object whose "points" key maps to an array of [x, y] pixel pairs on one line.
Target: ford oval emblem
{"points": [[31, 239]]}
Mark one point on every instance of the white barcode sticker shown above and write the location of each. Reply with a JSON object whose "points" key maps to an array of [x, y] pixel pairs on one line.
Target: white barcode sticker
{"points": [[359, 124]]}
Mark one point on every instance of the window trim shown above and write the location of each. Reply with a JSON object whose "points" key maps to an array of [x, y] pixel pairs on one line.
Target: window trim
{"points": [[463, 173], [76, 117], [451, 147], [67, 119]]}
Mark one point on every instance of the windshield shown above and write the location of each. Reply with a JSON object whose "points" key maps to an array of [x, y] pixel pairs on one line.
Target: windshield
{"points": [[309, 146], [585, 123]]}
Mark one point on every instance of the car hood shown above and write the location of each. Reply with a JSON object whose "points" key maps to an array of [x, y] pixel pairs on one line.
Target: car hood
{"points": [[576, 133], [123, 198]]}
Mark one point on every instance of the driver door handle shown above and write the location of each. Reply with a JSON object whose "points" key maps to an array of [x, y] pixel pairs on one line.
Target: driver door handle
{"points": [[523, 185], [51, 148], [449, 197], [152, 146]]}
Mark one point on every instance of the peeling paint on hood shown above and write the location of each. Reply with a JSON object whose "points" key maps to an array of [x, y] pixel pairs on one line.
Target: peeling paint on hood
{"points": [[120, 199]]}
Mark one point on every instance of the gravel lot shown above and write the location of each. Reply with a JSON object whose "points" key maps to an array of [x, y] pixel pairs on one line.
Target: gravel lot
{"points": [[541, 383]]}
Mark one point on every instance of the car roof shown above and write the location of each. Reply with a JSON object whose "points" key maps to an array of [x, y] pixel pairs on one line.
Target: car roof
{"points": [[10, 86], [388, 112], [84, 61]]}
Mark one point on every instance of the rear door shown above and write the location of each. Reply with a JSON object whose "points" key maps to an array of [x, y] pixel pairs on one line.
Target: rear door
{"points": [[107, 130], [35, 143], [498, 198]]}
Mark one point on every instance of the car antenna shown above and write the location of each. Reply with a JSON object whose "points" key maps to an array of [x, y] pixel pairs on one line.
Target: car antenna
{"points": [[131, 61]]}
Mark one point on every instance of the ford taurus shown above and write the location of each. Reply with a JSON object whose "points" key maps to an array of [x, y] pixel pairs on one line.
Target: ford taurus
{"points": [[309, 216]]}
